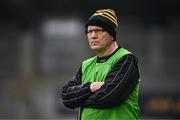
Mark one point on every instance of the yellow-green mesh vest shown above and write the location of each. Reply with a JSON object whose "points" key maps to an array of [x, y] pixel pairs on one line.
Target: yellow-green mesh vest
{"points": [[93, 71]]}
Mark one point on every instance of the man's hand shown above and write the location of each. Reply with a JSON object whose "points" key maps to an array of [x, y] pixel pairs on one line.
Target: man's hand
{"points": [[95, 86]]}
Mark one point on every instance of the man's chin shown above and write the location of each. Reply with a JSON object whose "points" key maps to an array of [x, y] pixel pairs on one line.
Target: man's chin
{"points": [[96, 48]]}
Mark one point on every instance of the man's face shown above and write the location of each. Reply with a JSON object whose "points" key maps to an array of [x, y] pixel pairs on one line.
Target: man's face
{"points": [[99, 39]]}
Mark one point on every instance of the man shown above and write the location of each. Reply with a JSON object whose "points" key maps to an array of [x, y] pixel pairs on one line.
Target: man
{"points": [[106, 86]]}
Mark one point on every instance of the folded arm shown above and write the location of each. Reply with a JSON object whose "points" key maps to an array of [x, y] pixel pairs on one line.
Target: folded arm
{"points": [[118, 84], [74, 93]]}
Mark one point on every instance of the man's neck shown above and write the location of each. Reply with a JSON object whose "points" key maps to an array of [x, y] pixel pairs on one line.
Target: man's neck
{"points": [[108, 50]]}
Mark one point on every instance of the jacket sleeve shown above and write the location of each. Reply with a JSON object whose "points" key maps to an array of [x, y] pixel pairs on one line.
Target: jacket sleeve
{"points": [[118, 84], [74, 93]]}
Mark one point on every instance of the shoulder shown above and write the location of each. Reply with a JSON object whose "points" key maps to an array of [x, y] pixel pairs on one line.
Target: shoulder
{"points": [[121, 54], [89, 60], [126, 53], [129, 57]]}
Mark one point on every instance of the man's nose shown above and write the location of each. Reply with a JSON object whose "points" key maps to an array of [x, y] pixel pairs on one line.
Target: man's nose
{"points": [[94, 34]]}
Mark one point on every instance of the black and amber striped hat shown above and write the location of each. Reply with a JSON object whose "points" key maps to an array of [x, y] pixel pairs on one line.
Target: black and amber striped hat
{"points": [[105, 18]]}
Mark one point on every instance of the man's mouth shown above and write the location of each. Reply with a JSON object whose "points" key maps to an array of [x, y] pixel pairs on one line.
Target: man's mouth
{"points": [[94, 42]]}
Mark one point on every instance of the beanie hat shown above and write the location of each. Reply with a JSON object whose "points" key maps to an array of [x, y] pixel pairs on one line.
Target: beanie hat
{"points": [[105, 18]]}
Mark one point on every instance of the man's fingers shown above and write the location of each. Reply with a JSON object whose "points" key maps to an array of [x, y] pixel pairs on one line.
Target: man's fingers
{"points": [[95, 86]]}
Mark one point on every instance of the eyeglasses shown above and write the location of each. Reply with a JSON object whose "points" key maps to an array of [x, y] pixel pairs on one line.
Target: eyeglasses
{"points": [[96, 31]]}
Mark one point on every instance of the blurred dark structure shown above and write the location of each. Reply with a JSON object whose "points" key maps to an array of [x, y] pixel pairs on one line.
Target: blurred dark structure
{"points": [[42, 43]]}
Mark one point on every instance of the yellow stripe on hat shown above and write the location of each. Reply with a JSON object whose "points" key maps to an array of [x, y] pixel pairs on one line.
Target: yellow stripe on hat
{"points": [[108, 10], [109, 14], [110, 19], [106, 14]]}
